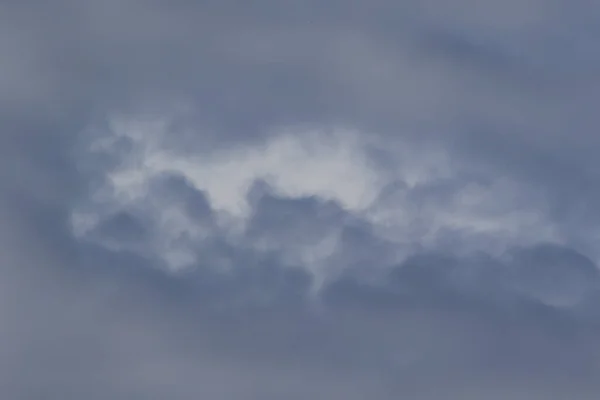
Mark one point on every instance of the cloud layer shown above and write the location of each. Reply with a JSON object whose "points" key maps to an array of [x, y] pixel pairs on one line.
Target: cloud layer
{"points": [[299, 199]]}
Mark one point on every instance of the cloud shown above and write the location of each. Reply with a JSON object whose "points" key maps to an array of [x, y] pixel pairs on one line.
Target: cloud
{"points": [[310, 199], [319, 184]]}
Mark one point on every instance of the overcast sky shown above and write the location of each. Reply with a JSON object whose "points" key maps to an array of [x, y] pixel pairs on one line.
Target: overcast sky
{"points": [[277, 199]]}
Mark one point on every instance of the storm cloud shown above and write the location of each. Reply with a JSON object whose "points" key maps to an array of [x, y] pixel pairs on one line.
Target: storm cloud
{"points": [[276, 199]]}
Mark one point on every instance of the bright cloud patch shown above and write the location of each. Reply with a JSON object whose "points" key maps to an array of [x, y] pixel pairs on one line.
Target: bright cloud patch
{"points": [[331, 165], [419, 200]]}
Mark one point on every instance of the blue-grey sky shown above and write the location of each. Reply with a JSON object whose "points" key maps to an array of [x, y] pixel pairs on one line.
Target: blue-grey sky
{"points": [[299, 199]]}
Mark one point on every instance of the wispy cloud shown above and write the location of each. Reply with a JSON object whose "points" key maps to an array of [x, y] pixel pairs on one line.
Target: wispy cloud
{"points": [[281, 199]]}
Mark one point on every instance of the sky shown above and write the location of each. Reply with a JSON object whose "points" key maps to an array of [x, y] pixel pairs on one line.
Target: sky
{"points": [[299, 199]]}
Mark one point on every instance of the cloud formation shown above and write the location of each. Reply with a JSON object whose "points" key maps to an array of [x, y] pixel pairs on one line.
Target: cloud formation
{"points": [[299, 199]]}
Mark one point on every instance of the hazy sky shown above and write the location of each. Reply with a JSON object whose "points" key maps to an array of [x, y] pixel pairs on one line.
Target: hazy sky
{"points": [[279, 199]]}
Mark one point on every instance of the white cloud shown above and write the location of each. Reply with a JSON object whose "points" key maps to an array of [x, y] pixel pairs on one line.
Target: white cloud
{"points": [[405, 201]]}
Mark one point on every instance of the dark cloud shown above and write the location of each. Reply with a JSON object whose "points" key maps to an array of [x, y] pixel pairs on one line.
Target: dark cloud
{"points": [[280, 199]]}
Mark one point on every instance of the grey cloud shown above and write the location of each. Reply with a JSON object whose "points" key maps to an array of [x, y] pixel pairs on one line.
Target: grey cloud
{"points": [[137, 349], [113, 327], [506, 89], [116, 333]]}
